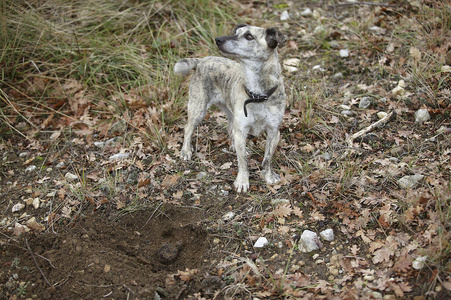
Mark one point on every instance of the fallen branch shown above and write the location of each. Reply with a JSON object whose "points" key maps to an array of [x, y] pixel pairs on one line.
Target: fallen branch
{"points": [[350, 140], [36, 263], [363, 3]]}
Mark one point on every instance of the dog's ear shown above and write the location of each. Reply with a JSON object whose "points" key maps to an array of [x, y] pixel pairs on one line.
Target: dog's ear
{"points": [[238, 27], [275, 38]]}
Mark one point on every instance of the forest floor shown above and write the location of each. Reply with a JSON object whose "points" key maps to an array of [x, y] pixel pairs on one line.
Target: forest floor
{"points": [[96, 203]]}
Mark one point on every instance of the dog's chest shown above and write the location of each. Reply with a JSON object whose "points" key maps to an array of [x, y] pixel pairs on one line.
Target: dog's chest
{"points": [[263, 117]]}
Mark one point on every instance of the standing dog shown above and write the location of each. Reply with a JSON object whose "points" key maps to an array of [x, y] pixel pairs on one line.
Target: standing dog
{"points": [[250, 92]]}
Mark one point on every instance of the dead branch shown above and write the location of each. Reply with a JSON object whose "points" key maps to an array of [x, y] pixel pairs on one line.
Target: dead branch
{"points": [[36, 263], [350, 140], [363, 3]]}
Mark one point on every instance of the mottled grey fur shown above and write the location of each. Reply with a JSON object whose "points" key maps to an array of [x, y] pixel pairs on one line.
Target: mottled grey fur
{"points": [[220, 81]]}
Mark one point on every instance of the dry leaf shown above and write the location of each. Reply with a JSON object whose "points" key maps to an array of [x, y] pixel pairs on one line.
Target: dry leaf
{"points": [[283, 210], [403, 264], [33, 225], [226, 166], [317, 216], [66, 211], [186, 275], [170, 180], [382, 254], [415, 54], [178, 195], [355, 249]]}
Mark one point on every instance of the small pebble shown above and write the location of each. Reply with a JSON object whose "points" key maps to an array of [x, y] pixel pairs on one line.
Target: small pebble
{"points": [[381, 114], [422, 115], [344, 53], [307, 12], [284, 16], [30, 168], [261, 242], [18, 207], [70, 176]]}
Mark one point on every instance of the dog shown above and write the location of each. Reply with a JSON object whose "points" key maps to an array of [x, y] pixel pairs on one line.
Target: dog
{"points": [[249, 90]]}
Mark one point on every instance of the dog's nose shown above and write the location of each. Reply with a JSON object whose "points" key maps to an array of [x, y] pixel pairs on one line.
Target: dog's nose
{"points": [[219, 41]]}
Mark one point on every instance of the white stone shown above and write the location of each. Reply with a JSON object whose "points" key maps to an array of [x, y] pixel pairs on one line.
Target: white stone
{"points": [[284, 16], [345, 107], [18, 207], [422, 115], [291, 64], [327, 235], [308, 243], [348, 113], [319, 29], [51, 194], [381, 114], [261, 242], [119, 156], [365, 102], [30, 168], [419, 262], [318, 67], [36, 203], [70, 176], [228, 216], [291, 69], [344, 53], [60, 165], [307, 12], [338, 76], [410, 181]]}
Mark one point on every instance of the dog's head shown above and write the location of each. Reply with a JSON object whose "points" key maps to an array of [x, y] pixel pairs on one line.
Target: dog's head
{"points": [[250, 42]]}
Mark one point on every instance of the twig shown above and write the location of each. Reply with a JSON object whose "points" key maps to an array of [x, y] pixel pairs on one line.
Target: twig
{"points": [[350, 140], [363, 3], [36, 263], [20, 247]]}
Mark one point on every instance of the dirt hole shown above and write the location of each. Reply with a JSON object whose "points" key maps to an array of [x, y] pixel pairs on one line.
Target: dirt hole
{"points": [[131, 256]]}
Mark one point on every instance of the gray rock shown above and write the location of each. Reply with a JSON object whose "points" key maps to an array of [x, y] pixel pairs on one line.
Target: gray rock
{"points": [[308, 241], [338, 76], [31, 168], [422, 115], [409, 181], [327, 235], [307, 12], [261, 242], [365, 102]]}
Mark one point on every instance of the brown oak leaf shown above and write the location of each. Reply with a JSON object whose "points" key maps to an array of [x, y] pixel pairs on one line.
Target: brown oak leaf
{"points": [[283, 210]]}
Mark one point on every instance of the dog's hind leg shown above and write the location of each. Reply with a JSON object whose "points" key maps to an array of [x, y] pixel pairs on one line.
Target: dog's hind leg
{"points": [[272, 139], [197, 109]]}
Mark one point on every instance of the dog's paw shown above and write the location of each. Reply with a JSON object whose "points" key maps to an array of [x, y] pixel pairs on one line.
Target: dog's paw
{"points": [[186, 155], [242, 184], [272, 177]]}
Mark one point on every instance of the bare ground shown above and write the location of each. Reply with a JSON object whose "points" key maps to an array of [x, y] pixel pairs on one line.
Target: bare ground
{"points": [[149, 226]]}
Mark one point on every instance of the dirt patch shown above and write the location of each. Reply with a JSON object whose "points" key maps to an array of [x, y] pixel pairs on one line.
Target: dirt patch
{"points": [[120, 259]]}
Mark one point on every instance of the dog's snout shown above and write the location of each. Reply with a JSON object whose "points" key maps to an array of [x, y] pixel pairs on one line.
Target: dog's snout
{"points": [[219, 40]]}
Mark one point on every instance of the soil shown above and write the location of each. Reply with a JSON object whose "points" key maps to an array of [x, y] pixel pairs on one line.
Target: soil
{"points": [[96, 257], [153, 227]]}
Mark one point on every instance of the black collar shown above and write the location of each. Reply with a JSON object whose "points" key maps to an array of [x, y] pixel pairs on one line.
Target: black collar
{"points": [[257, 98]]}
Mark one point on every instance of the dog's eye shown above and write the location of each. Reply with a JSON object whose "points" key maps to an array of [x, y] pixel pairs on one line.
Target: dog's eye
{"points": [[249, 37]]}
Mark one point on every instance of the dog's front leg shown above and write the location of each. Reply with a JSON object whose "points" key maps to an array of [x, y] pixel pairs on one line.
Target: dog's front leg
{"points": [[272, 140], [242, 179]]}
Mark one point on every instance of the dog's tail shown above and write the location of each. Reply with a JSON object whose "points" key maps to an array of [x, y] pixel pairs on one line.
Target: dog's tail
{"points": [[184, 66]]}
